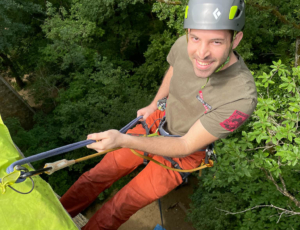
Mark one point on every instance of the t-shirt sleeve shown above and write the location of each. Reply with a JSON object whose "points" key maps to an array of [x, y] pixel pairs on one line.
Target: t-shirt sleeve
{"points": [[176, 50], [227, 118]]}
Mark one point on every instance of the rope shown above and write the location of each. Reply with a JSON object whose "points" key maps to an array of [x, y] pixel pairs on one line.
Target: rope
{"points": [[203, 165]]}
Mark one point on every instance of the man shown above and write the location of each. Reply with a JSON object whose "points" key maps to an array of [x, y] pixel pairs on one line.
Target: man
{"points": [[210, 93]]}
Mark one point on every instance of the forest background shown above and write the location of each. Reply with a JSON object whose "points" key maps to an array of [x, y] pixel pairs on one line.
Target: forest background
{"points": [[91, 64]]}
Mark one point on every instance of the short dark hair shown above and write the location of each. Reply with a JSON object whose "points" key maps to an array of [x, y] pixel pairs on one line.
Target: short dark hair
{"points": [[231, 35]]}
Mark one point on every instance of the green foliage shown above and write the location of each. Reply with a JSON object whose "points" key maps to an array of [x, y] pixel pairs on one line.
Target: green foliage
{"points": [[19, 33], [14, 21], [19, 135], [172, 14], [267, 147], [70, 35], [204, 206], [148, 75]]}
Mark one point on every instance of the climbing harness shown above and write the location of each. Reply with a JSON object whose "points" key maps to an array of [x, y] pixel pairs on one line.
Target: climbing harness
{"points": [[161, 105]]}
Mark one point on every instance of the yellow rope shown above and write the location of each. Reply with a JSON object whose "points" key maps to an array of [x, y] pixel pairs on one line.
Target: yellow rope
{"points": [[94, 155], [203, 165], [211, 163]]}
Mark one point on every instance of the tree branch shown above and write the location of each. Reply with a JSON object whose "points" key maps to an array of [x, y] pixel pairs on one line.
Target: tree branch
{"points": [[284, 211], [283, 183], [169, 2], [283, 190], [261, 206], [271, 178], [265, 148], [274, 11], [13, 70]]}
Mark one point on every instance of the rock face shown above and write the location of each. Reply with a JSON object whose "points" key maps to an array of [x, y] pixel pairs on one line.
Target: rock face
{"points": [[13, 105]]}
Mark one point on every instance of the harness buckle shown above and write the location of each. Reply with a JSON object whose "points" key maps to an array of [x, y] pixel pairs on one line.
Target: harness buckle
{"points": [[161, 104], [210, 153]]}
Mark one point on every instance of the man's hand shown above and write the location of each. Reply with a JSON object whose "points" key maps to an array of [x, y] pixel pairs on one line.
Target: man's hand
{"points": [[105, 140], [146, 111]]}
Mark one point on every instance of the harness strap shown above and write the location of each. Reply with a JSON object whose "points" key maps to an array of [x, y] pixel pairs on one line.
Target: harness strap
{"points": [[161, 129], [163, 132], [144, 124], [183, 175]]}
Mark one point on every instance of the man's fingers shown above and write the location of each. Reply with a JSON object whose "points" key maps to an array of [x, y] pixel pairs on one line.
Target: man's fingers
{"points": [[93, 146], [96, 136], [139, 113], [145, 116], [96, 147], [92, 136]]}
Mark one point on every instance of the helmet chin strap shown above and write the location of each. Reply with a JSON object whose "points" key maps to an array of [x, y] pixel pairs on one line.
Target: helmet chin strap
{"points": [[228, 58], [187, 35]]}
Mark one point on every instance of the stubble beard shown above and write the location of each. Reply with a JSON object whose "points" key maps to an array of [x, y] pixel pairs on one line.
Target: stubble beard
{"points": [[208, 73]]}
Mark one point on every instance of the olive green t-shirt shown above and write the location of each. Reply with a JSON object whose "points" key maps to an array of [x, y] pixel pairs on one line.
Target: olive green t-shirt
{"points": [[224, 104]]}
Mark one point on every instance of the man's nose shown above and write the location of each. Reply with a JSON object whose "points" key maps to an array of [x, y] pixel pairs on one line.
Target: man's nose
{"points": [[203, 51]]}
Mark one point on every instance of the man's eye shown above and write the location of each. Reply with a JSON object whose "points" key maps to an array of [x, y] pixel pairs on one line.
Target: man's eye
{"points": [[195, 39], [217, 43]]}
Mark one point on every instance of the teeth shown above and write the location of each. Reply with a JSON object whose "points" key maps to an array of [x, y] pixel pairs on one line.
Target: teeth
{"points": [[203, 63]]}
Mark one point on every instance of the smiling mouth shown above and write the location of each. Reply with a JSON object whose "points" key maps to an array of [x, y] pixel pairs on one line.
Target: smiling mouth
{"points": [[203, 65]]}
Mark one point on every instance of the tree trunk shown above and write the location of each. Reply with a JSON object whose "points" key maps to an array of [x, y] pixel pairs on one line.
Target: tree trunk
{"points": [[14, 72], [297, 53]]}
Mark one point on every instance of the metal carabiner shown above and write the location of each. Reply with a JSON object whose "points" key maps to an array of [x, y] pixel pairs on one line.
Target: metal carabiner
{"points": [[210, 152], [34, 173]]}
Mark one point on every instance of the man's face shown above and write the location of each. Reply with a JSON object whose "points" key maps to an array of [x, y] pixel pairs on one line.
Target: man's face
{"points": [[208, 50]]}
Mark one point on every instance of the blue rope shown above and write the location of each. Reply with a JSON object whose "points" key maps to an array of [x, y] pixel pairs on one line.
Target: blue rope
{"points": [[64, 149]]}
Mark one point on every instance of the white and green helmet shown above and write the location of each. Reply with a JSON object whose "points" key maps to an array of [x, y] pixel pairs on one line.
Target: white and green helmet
{"points": [[215, 15]]}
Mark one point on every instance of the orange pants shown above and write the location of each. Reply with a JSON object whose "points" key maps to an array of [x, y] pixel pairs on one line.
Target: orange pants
{"points": [[152, 183]]}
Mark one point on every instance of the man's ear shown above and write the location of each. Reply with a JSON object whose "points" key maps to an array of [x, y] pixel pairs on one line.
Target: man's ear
{"points": [[237, 39]]}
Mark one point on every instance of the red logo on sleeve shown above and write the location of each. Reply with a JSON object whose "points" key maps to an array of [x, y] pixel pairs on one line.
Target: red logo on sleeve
{"points": [[234, 121], [201, 99]]}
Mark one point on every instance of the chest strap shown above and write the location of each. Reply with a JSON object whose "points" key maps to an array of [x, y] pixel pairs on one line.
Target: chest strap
{"points": [[144, 124]]}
